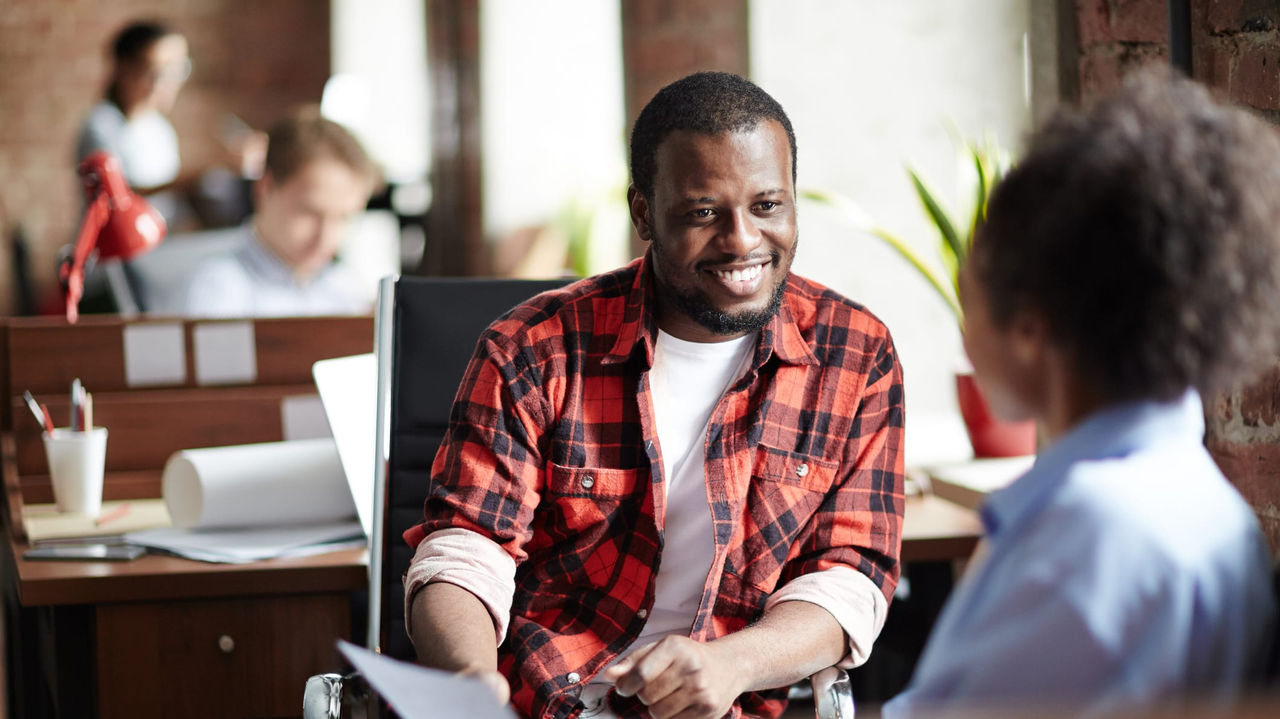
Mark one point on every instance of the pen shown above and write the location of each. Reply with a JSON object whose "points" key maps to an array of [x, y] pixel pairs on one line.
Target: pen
{"points": [[113, 515], [76, 407], [40, 411]]}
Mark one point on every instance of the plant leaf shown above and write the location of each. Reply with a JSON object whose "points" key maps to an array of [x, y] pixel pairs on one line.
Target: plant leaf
{"points": [[862, 222], [953, 250]]}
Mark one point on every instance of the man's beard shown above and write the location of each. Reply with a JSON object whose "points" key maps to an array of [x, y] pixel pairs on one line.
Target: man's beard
{"points": [[695, 305]]}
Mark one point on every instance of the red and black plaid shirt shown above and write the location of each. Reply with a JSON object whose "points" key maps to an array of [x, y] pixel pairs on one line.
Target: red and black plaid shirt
{"points": [[553, 454]]}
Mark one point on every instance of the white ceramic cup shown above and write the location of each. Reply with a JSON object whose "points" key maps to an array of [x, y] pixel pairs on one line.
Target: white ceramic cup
{"points": [[76, 464]]}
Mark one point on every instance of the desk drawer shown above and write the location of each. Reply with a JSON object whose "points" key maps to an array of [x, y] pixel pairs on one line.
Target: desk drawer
{"points": [[221, 658]]}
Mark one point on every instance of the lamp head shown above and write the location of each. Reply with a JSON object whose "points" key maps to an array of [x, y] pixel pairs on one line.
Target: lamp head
{"points": [[132, 225]]}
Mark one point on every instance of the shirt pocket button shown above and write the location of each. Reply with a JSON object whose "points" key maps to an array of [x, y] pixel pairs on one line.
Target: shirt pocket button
{"points": [[802, 470], [573, 678], [588, 481]]}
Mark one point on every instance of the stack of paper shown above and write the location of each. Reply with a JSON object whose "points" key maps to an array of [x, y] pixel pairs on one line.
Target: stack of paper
{"points": [[256, 501]]}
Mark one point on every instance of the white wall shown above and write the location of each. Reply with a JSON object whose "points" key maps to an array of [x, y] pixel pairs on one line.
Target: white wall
{"points": [[552, 107], [379, 84], [869, 87]]}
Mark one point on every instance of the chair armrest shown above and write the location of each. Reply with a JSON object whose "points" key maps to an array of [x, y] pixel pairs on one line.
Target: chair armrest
{"points": [[832, 694], [334, 696], [322, 699]]}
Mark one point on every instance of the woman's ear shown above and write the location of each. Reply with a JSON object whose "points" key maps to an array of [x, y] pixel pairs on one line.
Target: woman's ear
{"points": [[1028, 338], [639, 213]]}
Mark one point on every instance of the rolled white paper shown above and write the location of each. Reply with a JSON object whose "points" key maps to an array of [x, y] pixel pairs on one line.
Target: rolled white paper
{"points": [[248, 485]]}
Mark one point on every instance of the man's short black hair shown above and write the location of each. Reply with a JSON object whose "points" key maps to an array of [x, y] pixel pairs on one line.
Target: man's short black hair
{"points": [[706, 102], [1146, 232], [136, 38]]}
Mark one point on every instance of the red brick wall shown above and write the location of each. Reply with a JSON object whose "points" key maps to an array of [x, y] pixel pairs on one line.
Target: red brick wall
{"points": [[1235, 48], [255, 59], [1115, 36]]}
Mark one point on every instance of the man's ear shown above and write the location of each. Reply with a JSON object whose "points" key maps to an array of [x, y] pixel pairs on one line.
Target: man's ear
{"points": [[262, 187], [639, 213]]}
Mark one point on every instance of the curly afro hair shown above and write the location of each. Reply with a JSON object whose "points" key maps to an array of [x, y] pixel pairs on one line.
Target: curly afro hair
{"points": [[1146, 232]]}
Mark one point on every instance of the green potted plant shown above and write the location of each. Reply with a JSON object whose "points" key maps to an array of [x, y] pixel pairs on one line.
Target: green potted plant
{"points": [[990, 437]]}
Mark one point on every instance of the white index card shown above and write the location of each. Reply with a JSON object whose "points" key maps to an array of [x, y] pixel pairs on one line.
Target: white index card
{"points": [[225, 353], [154, 354], [302, 417]]}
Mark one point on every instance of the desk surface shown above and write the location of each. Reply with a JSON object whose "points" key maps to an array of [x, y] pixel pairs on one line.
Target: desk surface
{"points": [[934, 529], [155, 577]]}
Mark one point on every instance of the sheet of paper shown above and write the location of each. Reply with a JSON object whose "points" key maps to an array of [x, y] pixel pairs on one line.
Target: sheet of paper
{"points": [[416, 692], [254, 485], [238, 546], [225, 353], [302, 417], [348, 387], [154, 354]]}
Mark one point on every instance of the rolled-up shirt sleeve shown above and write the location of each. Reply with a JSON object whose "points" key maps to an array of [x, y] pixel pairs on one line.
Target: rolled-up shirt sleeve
{"points": [[470, 561], [848, 595]]}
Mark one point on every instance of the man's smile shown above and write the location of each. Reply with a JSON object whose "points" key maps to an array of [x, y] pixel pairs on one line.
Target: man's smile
{"points": [[741, 280]]}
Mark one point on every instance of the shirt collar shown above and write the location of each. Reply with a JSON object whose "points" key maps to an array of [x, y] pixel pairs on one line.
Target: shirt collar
{"points": [[1115, 431], [266, 263], [781, 336]]}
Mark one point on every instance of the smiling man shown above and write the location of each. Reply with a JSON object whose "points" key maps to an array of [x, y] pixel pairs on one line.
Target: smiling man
{"points": [[676, 488]]}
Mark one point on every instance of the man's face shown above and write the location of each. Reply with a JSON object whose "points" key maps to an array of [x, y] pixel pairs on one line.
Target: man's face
{"points": [[723, 227], [302, 220]]}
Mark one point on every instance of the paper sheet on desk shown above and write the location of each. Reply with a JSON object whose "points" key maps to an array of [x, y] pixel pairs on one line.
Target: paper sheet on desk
{"points": [[250, 502], [238, 546], [416, 692]]}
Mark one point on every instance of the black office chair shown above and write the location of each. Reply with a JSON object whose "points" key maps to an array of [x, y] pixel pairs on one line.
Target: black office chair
{"points": [[425, 332]]}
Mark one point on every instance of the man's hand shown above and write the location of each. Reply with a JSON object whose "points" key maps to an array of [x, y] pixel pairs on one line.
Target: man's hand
{"points": [[491, 679], [679, 677]]}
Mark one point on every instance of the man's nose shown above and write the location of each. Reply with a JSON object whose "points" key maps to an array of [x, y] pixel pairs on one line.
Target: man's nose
{"points": [[740, 235]]}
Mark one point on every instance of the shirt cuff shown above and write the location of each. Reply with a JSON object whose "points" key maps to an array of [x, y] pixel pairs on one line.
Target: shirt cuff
{"points": [[851, 597], [468, 560]]}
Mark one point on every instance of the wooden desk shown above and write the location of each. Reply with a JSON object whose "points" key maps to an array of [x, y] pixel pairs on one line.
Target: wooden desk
{"points": [[163, 636], [934, 529]]}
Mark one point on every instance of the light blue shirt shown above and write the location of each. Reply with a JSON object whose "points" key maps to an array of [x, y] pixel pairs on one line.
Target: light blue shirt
{"points": [[252, 282], [1122, 569]]}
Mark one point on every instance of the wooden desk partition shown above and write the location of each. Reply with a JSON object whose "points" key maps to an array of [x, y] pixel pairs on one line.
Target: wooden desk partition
{"points": [[163, 636], [148, 424]]}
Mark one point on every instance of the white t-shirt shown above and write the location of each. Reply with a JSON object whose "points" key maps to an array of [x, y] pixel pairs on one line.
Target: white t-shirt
{"points": [[686, 382], [146, 145]]}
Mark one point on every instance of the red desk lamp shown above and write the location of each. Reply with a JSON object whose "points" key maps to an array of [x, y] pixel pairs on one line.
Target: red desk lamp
{"points": [[118, 222]]}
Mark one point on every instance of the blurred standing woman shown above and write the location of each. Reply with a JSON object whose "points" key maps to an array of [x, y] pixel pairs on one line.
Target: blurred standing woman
{"points": [[149, 66]]}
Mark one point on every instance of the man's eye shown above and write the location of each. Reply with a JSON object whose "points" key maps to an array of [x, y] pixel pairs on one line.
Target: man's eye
{"points": [[768, 205], [702, 212]]}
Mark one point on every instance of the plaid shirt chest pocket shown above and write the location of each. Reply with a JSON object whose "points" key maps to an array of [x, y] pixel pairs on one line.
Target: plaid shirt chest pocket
{"points": [[585, 511], [786, 490]]}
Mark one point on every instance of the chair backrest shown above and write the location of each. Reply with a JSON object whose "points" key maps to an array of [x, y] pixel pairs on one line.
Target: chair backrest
{"points": [[427, 329]]}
